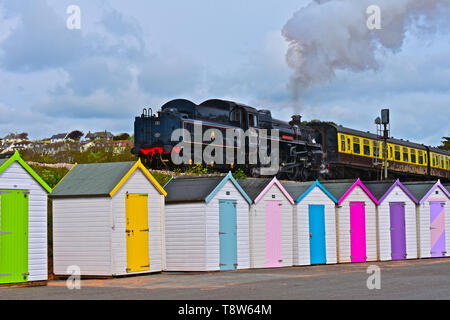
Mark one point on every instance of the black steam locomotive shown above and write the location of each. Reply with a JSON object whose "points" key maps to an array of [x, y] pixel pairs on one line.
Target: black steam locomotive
{"points": [[305, 151], [300, 154]]}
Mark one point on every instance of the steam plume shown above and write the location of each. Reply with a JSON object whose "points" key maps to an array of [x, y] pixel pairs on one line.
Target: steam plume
{"points": [[330, 35]]}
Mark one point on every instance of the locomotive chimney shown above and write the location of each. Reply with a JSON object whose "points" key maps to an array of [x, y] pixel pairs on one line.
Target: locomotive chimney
{"points": [[296, 120]]}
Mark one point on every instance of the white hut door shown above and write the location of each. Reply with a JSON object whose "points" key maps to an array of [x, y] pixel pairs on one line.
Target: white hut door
{"points": [[137, 232]]}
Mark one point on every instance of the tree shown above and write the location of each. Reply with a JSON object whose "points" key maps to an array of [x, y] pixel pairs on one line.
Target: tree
{"points": [[122, 136], [445, 143], [75, 135]]}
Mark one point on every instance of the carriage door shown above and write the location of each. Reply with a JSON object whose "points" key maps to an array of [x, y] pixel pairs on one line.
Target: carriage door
{"points": [[317, 234], [398, 231], [358, 232], [273, 234], [228, 234], [437, 229], [137, 232], [13, 236]]}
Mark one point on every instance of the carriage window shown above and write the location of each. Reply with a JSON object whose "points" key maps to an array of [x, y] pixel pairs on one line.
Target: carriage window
{"points": [[356, 147], [342, 142], [366, 147], [376, 149], [433, 159], [252, 121], [390, 153], [442, 162], [397, 153], [405, 154], [448, 163], [413, 155], [420, 157]]}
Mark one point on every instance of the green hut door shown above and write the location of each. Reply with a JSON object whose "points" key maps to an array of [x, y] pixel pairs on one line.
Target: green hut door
{"points": [[13, 236]]}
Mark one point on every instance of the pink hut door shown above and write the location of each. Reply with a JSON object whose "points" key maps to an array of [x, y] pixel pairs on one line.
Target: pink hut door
{"points": [[273, 234], [437, 228], [358, 232]]}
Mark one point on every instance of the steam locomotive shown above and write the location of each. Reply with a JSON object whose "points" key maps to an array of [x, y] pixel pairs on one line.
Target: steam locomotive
{"points": [[306, 152], [300, 156]]}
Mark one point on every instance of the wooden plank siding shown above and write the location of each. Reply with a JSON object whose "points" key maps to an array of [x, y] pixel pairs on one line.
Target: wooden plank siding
{"points": [[301, 217], [384, 224], [16, 177], [343, 220], [258, 229]]}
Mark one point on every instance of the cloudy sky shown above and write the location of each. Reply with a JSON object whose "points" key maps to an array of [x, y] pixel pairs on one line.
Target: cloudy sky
{"points": [[140, 53]]}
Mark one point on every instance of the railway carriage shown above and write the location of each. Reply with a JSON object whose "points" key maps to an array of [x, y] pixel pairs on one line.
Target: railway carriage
{"points": [[350, 153]]}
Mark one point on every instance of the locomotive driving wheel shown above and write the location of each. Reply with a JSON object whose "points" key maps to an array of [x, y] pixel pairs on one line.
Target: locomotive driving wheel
{"points": [[293, 175]]}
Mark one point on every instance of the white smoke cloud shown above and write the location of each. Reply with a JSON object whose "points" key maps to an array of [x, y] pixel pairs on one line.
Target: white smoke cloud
{"points": [[331, 35]]}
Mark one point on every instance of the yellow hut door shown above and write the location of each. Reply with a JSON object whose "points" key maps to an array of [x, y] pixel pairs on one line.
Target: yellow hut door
{"points": [[136, 214]]}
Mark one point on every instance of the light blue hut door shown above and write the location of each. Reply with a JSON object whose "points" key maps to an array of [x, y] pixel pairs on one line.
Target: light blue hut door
{"points": [[228, 234], [317, 234]]}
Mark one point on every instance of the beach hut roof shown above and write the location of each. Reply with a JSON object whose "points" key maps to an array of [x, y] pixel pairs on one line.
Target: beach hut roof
{"points": [[5, 163], [422, 190], [257, 188], [99, 179], [300, 190], [381, 190], [340, 190], [198, 189]]}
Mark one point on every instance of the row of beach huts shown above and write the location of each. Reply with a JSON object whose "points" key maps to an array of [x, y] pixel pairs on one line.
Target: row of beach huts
{"points": [[114, 219]]}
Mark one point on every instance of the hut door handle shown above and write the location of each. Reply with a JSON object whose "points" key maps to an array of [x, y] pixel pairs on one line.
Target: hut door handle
{"points": [[310, 235]]}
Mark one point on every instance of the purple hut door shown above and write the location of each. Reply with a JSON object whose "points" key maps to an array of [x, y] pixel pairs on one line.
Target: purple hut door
{"points": [[398, 231], [437, 219]]}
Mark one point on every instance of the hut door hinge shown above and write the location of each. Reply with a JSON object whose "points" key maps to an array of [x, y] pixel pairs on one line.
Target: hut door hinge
{"points": [[2, 233], [5, 191], [145, 230], [222, 233], [127, 269], [221, 264], [147, 266], [4, 275], [235, 264]]}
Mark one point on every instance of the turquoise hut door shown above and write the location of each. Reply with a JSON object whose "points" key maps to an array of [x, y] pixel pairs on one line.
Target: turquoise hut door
{"points": [[228, 234], [317, 245]]}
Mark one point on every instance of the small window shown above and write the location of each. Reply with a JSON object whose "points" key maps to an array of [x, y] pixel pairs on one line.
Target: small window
{"points": [[433, 160], [356, 146], [366, 147], [236, 116], [342, 143], [413, 155], [405, 154], [448, 163], [375, 149], [252, 120], [421, 157], [397, 153]]}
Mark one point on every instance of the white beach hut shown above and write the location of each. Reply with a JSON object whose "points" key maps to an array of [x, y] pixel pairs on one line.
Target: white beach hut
{"points": [[314, 223], [433, 212], [207, 224], [356, 221], [108, 220], [271, 239], [397, 223], [23, 224]]}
